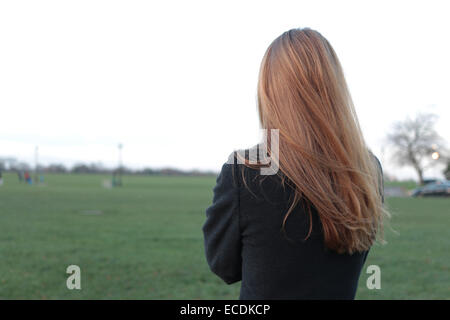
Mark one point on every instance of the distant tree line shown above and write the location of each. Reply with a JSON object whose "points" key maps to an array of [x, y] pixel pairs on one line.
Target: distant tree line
{"points": [[96, 168]]}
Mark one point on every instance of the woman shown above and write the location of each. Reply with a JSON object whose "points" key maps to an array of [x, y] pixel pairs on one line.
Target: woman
{"points": [[305, 232]]}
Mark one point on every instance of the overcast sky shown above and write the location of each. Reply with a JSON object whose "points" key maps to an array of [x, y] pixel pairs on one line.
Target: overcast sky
{"points": [[175, 81]]}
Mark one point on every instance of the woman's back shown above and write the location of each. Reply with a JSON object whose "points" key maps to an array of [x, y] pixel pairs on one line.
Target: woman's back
{"points": [[245, 240], [302, 229]]}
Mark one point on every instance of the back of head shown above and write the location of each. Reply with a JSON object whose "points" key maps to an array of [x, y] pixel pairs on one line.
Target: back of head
{"points": [[302, 92]]}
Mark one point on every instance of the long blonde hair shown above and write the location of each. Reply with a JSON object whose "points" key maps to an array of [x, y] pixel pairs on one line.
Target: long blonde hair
{"points": [[303, 93]]}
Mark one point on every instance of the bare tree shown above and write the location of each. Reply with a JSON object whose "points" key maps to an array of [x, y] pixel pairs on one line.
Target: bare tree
{"points": [[447, 171], [413, 142]]}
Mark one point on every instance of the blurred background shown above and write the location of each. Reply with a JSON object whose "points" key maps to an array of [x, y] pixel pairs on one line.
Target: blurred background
{"points": [[117, 115]]}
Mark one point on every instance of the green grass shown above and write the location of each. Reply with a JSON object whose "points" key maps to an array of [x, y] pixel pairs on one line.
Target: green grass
{"points": [[415, 262], [147, 242], [408, 185]]}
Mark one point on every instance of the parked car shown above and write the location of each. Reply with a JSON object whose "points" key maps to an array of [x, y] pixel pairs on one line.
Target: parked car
{"points": [[440, 188], [427, 181]]}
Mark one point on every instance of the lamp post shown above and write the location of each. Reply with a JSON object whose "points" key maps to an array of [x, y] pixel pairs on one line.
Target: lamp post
{"points": [[435, 154], [36, 165], [119, 173]]}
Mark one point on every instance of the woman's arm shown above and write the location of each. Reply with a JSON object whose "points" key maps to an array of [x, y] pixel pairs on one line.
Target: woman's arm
{"points": [[221, 230]]}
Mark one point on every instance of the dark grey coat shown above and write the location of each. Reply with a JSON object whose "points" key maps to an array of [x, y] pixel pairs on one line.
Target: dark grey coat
{"points": [[244, 242]]}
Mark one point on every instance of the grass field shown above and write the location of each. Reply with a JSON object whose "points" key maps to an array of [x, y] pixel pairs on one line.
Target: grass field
{"points": [[144, 241]]}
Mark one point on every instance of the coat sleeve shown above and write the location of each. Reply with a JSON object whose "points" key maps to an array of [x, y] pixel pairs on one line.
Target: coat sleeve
{"points": [[221, 230]]}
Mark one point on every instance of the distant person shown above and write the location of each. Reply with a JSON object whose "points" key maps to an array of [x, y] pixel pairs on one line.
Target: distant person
{"points": [[1, 178], [304, 232], [20, 175], [27, 177]]}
